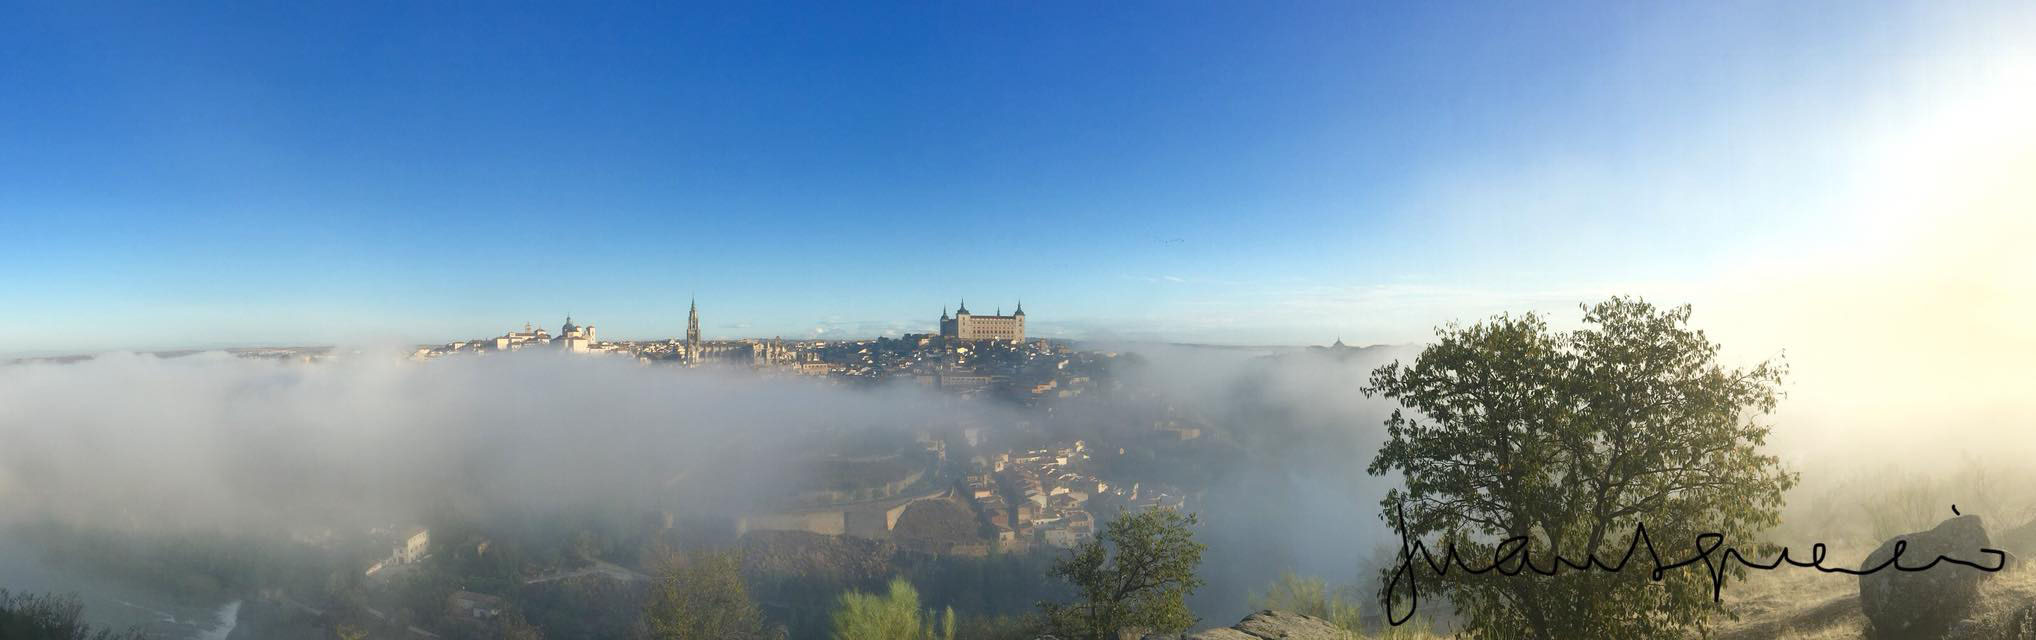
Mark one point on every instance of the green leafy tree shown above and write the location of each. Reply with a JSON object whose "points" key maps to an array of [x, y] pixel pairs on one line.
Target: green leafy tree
{"points": [[1136, 575], [894, 615], [701, 596], [1567, 441]]}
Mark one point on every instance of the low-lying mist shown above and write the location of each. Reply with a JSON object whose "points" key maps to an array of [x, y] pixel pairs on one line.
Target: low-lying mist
{"points": [[212, 442], [1289, 436], [215, 440]]}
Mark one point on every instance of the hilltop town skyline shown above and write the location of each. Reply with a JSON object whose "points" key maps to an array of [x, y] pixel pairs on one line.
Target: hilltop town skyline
{"points": [[694, 326]]}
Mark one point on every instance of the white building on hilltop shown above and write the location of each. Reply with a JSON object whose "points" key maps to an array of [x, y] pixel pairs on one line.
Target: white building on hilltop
{"points": [[574, 338]]}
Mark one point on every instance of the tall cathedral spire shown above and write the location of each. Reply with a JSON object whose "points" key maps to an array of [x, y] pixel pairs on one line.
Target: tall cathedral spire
{"points": [[693, 331]]}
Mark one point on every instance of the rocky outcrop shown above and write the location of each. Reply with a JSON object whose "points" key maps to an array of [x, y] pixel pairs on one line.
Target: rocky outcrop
{"points": [[1269, 625], [1904, 605], [1281, 625]]}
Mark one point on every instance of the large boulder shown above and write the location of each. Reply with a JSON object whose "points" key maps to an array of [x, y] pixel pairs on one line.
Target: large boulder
{"points": [[1906, 605], [1269, 625]]}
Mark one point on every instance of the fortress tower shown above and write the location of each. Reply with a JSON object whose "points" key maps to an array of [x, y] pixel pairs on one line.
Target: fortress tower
{"points": [[969, 326]]}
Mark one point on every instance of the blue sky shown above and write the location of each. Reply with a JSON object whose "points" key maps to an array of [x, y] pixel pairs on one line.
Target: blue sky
{"points": [[289, 173]]}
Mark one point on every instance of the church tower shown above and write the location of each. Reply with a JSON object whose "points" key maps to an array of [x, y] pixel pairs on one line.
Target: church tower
{"points": [[693, 333]]}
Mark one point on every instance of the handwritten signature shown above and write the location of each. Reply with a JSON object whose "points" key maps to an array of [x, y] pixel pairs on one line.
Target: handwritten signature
{"points": [[1512, 556]]}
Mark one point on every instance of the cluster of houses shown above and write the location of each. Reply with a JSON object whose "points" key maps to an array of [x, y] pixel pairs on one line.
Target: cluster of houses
{"points": [[411, 545], [571, 338], [1046, 496], [1036, 371]]}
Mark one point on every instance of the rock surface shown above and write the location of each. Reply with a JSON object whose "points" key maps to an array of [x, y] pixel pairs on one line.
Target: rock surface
{"points": [[1901, 605], [1269, 625]]}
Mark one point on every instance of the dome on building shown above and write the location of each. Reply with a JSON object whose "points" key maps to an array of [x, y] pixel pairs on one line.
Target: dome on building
{"points": [[569, 327]]}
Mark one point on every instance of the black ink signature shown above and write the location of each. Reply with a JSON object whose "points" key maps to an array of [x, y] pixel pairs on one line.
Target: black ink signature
{"points": [[1514, 551]]}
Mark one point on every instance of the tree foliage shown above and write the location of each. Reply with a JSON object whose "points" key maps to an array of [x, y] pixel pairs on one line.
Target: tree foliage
{"points": [[1136, 575], [701, 596], [895, 615], [27, 616], [1569, 440]]}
